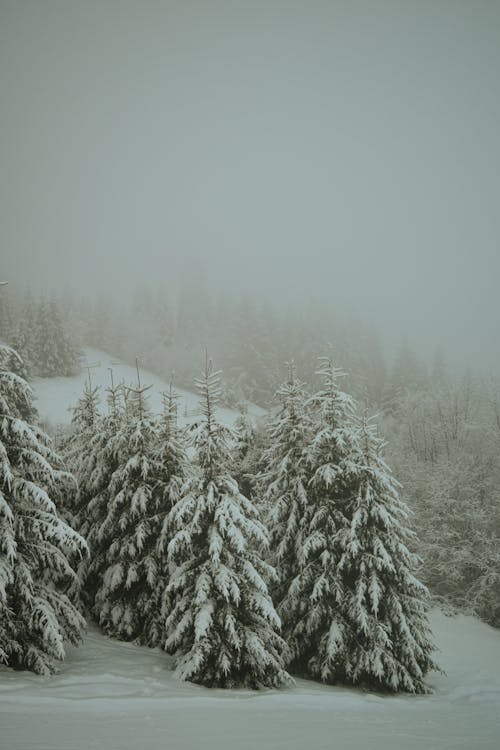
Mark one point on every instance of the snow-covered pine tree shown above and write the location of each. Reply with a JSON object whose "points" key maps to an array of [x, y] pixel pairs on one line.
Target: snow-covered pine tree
{"points": [[54, 352], [37, 616], [7, 319], [81, 456], [314, 592], [23, 340], [223, 627], [285, 486], [126, 596], [382, 637], [173, 469], [104, 454], [242, 454], [84, 451]]}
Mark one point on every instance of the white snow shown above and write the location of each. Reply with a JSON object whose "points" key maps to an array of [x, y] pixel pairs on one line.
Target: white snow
{"points": [[118, 696], [55, 397]]}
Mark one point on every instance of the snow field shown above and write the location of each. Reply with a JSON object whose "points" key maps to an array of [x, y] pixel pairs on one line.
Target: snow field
{"points": [[55, 397], [111, 695]]}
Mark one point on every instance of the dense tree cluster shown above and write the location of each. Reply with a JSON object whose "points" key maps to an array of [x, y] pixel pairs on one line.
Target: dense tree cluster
{"points": [[248, 556], [40, 335], [307, 572], [318, 509]]}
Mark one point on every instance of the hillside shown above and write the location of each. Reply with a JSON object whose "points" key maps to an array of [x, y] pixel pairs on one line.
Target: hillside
{"points": [[55, 397]]}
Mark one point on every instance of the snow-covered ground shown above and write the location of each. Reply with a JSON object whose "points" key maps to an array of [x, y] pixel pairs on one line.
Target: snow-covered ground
{"points": [[118, 696], [55, 397]]}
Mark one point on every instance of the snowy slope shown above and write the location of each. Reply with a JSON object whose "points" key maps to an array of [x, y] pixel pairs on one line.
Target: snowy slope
{"points": [[117, 696], [55, 397]]}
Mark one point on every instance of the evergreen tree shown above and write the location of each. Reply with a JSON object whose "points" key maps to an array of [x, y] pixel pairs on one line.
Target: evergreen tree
{"points": [[37, 615], [242, 455], [223, 627], [23, 334], [83, 451], [125, 598], [315, 591], [173, 469], [54, 352], [103, 455], [7, 322], [382, 637], [286, 477]]}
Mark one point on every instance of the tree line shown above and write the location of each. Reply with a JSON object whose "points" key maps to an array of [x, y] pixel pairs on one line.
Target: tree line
{"points": [[248, 565], [442, 430]]}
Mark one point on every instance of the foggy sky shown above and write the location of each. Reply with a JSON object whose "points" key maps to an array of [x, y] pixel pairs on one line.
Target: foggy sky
{"points": [[340, 150]]}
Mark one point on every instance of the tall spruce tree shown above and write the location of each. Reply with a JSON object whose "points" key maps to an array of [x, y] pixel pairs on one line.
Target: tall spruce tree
{"points": [[223, 627], [104, 453], [125, 598], [382, 638], [37, 615], [173, 469], [315, 590], [81, 455], [243, 459], [23, 338], [7, 320], [285, 477], [54, 351]]}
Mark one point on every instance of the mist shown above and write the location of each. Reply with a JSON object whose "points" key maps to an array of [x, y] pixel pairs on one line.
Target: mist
{"points": [[342, 152]]}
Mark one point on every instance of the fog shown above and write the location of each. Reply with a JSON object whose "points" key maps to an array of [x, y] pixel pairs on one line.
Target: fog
{"points": [[338, 151]]}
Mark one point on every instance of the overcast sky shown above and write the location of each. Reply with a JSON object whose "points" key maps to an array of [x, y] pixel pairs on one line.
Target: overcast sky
{"points": [[346, 150]]}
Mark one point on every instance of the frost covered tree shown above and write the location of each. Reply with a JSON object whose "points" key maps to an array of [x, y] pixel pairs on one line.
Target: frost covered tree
{"points": [[100, 459], [54, 352], [286, 477], [243, 458], [173, 469], [445, 449], [81, 455], [223, 626], [86, 454], [125, 597], [315, 591], [37, 615], [381, 637], [7, 319], [23, 337]]}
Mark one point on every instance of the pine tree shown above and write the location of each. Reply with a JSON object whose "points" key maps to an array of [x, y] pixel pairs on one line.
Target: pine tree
{"points": [[125, 598], [104, 453], [286, 477], [223, 627], [242, 455], [382, 637], [54, 352], [80, 453], [7, 322], [173, 469], [37, 615], [83, 451], [315, 590], [23, 334]]}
